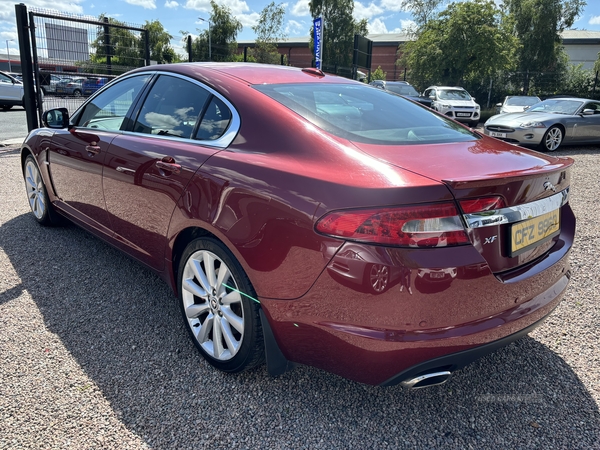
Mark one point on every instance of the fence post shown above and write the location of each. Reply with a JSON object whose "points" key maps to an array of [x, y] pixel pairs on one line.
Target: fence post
{"points": [[147, 46], [595, 83], [489, 93], [26, 66], [189, 47], [107, 47]]}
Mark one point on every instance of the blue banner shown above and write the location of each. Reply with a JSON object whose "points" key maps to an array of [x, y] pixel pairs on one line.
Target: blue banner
{"points": [[317, 35]]}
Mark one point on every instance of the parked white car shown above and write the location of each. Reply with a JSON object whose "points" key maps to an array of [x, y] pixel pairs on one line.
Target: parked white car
{"points": [[454, 102], [11, 92], [516, 103]]}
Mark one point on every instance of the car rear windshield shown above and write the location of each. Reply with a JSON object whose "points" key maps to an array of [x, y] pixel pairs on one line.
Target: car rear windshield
{"points": [[522, 101], [402, 89], [360, 113]]}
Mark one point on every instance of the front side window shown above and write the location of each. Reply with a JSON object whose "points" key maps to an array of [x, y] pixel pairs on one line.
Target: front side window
{"points": [[172, 108], [108, 110], [359, 113], [568, 107]]}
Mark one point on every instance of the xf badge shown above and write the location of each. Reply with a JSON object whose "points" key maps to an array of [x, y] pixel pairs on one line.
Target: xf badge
{"points": [[489, 240]]}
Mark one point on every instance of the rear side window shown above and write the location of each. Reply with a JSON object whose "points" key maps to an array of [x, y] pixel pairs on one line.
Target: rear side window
{"points": [[214, 122], [360, 113], [172, 108]]}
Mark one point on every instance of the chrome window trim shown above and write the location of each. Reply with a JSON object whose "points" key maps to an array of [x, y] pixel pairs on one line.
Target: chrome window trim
{"points": [[223, 142], [517, 213]]}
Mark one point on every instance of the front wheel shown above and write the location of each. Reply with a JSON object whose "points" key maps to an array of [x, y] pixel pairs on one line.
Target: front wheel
{"points": [[552, 139], [36, 193], [219, 306], [77, 93]]}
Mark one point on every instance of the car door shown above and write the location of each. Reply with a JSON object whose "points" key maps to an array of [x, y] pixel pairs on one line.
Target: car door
{"points": [[76, 155], [148, 169], [588, 126], [9, 90]]}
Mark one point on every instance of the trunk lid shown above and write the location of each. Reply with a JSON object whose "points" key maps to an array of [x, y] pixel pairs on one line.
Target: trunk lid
{"points": [[483, 168]]}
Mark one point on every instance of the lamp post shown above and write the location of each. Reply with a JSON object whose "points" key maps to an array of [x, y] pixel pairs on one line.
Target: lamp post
{"points": [[8, 52], [209, 43]]}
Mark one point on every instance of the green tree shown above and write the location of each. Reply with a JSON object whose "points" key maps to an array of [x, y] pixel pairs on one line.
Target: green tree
{"points": [[468, 42], [378, 74], [124, 46], [160, 43], [269, 30], [422, 10], [222, 36], [338, 30], [127, 48], [538, 24]]}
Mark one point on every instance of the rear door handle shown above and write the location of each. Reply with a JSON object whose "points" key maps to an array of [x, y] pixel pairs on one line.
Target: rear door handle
{"points": [[168, 167], [93, 149]]}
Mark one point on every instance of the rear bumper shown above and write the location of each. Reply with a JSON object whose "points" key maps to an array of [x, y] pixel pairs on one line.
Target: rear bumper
{"points": [[415, 325], [461, 359]]}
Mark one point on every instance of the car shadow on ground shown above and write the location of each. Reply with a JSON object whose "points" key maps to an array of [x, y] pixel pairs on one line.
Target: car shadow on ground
{"points": [[122, 325]]}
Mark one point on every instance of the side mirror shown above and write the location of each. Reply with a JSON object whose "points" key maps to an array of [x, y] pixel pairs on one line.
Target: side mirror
{"points": [[526, 108], [57, 118], [432, 97], [588, 112], [499, 105]]}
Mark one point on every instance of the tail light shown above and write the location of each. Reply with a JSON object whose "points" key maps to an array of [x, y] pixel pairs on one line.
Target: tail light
{"points": [[431, 225]]}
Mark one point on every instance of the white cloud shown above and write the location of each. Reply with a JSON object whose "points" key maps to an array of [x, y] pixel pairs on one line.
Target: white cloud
{"points": [[392, 5], [366, 12], [301, 9], [171, 4], [377, 26], [295, 28], [235, 6], [7, 8], [408, 25], [595, 20], [146, 4], [248, 20]]}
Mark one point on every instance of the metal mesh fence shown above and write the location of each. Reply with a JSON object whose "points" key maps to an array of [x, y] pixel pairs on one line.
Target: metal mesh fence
{"points": [[74, 55]]}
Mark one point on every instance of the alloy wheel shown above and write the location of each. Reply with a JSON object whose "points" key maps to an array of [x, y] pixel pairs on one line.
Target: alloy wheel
{"points": [[213, 305], [35, 190]]}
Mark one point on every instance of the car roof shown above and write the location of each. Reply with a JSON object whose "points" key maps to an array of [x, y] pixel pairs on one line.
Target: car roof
{"points": [[251, 73], [447, 87]]}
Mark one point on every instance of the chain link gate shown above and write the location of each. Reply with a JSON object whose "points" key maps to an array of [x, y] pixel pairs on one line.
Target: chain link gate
{"points": [[70, 56]]}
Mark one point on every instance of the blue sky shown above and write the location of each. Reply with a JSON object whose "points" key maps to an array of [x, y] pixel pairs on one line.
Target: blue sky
{"points": [[384, 16]]}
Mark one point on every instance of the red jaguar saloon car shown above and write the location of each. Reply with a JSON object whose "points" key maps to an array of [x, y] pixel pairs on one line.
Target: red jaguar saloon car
{"points": [[303, 218]]}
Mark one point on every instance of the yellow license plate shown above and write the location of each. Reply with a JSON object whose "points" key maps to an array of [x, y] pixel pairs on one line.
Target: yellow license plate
{"points": [[529, 233]]}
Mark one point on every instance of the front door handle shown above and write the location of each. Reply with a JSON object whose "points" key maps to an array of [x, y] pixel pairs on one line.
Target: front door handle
{"points": [[168, 167]]}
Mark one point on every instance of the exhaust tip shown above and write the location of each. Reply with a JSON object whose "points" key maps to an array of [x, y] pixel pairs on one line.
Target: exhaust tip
{"points": [[427, 379]]}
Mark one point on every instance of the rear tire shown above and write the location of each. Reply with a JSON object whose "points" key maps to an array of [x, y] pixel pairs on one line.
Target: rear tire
{"points": [[76, 93], [218, 305], [552, 139]]}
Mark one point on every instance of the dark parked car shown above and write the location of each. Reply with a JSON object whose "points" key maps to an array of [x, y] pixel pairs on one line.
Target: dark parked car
{"points": [[299, 221], [92, 84], [404, 89]]}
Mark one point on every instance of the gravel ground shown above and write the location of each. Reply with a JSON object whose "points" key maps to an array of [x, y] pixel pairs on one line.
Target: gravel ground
{"points": [[94, 355]]}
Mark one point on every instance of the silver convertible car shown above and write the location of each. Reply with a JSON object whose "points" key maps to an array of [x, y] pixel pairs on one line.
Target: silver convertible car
{"points": [[549, 124]]}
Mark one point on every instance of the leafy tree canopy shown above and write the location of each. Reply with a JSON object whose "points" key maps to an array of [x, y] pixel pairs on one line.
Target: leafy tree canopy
{"points": [[468, 41], [538, 24], [269, 30]]}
